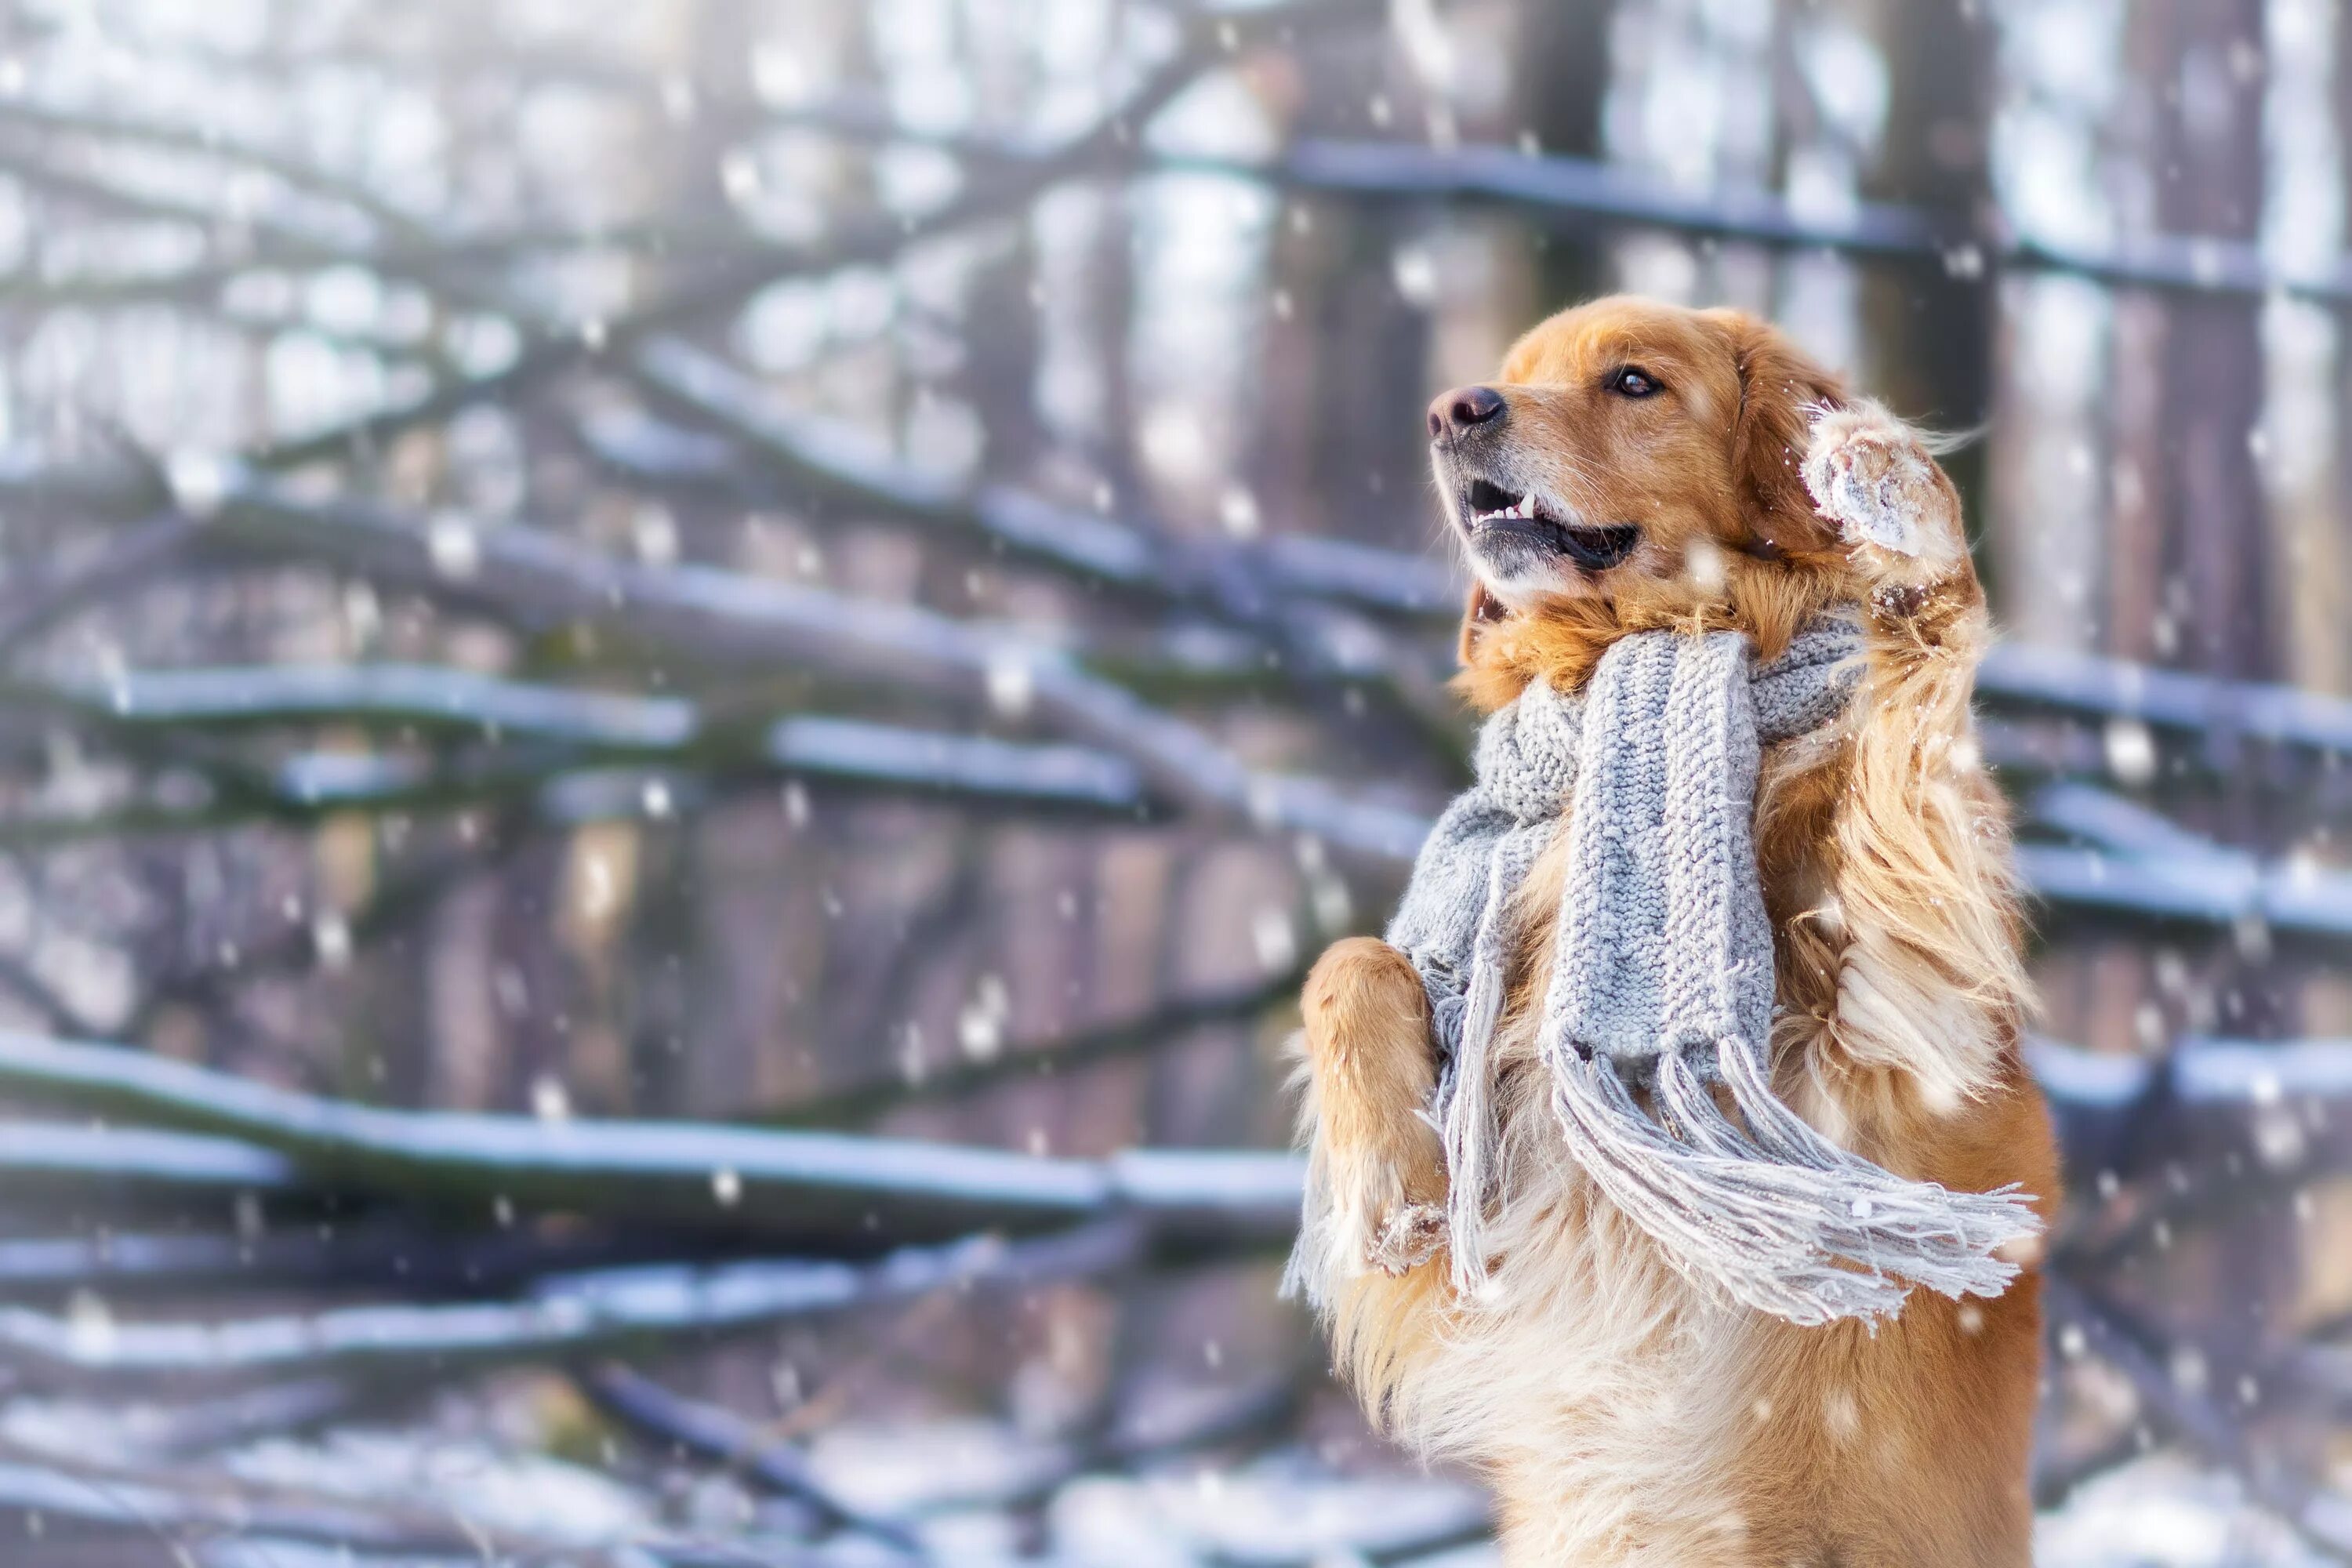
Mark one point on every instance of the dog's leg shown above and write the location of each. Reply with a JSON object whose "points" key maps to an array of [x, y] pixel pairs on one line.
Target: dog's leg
{"points": [[1373, 1255], [1371, 1068], [1929, 979]]}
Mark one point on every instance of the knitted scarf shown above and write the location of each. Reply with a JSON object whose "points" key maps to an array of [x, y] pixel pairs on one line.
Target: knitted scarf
{"points": [[1662, 984]]}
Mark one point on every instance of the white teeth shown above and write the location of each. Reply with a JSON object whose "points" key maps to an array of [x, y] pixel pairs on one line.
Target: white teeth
{"points": [[1525, 507]]}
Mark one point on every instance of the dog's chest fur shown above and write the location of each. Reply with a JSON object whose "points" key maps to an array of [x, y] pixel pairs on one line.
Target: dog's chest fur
{"points": [[1616, 1396]]}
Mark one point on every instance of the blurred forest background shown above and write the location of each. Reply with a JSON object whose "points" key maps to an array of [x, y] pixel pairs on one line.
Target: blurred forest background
{"points": [[686, 681]]}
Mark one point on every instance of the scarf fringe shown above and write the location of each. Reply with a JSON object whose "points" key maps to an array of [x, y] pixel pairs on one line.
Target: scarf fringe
{"points": [[1467, 1128], [1777, 1217]]}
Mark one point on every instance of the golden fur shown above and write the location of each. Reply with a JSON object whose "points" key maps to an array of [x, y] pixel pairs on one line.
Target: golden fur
{"points": [[1623, 1416]]}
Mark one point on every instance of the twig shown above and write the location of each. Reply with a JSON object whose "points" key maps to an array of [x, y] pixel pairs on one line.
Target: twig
{"points": [[965, 1077], [714, 1433], [1318, 646], [1586, 188], [18, 978], [394, 904], [1228, 577], [1240, 1413], [130, 556], [409, 694], [1590, 190]]}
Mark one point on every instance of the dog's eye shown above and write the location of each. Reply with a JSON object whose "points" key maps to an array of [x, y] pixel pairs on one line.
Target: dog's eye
{"points": [[1632, 383]]}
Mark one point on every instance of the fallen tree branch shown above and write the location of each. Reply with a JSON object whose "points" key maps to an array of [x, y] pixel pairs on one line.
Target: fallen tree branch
{"points": [[563, 1315], [97, 1160], [212, 1130], [2139, 862], [811, 1187], [597, 763], [412, 694], [1591, 189], [716, 614], [387, 1253]]}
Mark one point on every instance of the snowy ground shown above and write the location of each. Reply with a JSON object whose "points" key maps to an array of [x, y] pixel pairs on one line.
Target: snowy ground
{"points": [[520, 1479]]}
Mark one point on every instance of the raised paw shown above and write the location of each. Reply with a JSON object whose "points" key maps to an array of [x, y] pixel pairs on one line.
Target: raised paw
{"points": [[1870, 474], [1409, 1237], [1372, 1067]]}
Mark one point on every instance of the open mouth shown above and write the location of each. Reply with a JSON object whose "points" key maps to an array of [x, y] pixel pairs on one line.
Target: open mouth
{"points": [[1497, 512]]}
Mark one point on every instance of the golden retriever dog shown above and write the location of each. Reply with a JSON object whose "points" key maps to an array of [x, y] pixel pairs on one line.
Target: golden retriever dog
{"points": [[1637, 466]]}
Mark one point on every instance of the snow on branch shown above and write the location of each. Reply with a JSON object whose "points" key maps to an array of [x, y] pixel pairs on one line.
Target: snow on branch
{"points": [[129, 1159], [209, 1129], [2139, 861], [2171, 699], [811, 1187], [717, 614], [565, 1314], [394, 693], [147, 1506]]}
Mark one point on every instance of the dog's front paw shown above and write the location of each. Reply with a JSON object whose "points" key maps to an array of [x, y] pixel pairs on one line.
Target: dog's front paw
{"points": [[1409, 1237], [1871, 474]]}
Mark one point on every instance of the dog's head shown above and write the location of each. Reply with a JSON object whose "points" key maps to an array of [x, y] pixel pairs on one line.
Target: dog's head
{"points": [[1632, 450]]}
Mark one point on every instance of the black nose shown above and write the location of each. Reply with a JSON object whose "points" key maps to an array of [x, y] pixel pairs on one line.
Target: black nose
{"points": [[1464, 409]]}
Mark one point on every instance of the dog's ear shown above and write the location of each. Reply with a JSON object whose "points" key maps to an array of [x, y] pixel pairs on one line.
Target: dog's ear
{"points": [[1781, 394], [1482, 611]]}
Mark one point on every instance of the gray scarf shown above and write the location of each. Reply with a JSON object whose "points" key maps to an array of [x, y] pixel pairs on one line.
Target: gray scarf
{"points": [[1662, 983]]}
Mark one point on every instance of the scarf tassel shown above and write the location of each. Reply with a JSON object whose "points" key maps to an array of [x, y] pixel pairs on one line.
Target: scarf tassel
{"points": [[1777, 1217]]}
